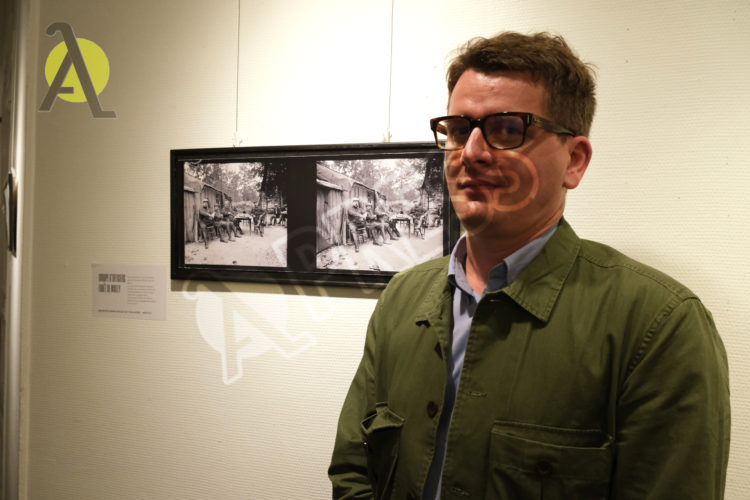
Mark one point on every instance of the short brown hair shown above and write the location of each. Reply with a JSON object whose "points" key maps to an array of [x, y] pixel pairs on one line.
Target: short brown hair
{"points": [[569, 82]]}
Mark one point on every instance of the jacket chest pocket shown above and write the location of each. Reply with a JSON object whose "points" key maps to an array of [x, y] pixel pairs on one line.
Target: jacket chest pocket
{"points": [[532, 462], [380, 437]]}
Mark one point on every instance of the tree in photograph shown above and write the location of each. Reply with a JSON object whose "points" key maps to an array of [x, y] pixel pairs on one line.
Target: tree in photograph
{"points": [[208, 173], [432, 184], [244, 179], [273, 183], [393, 178]]}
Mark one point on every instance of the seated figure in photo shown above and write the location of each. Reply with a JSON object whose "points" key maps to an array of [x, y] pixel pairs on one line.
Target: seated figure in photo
{"points": [[275, 215], [206, 222], [437, 217], [229, 216], [383, 216], [374, 226], [259, 220], [424, 223], [222, 224], [416, 214], [356, 220]]}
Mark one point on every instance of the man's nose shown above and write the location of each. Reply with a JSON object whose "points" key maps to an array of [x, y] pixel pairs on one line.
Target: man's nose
{"points": [[476, 148]]}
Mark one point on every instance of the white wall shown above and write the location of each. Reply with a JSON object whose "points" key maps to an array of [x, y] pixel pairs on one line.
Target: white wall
{"points": [[126, 409]]}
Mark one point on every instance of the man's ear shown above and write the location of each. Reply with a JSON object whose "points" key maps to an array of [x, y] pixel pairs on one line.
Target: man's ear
{"points": [[579, 149]]}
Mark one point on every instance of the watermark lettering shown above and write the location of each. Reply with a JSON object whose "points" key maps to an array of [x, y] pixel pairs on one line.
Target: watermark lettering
{"points": [[240, 330], [76, 70]]}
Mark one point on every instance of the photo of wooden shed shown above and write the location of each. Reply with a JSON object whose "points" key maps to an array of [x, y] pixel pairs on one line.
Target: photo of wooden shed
{"points": [[195, 191], [335, 192]]}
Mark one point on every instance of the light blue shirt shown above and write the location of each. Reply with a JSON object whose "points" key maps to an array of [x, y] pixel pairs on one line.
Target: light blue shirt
{"points": [[465, 301]]}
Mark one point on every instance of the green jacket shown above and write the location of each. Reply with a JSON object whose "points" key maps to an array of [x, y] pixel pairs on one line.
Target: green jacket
{"points": [[591, 376]]}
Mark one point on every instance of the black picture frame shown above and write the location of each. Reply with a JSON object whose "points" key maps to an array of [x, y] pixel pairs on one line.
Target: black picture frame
{"points": [[304, 194], [10, 193]]}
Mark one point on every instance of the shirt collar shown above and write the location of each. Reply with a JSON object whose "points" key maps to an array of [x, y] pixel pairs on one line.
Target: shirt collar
{"points": [[504, 273]]}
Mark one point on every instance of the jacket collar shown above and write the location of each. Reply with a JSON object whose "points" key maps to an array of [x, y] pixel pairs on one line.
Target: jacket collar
{"points": [[536, 289], [538, 286]]}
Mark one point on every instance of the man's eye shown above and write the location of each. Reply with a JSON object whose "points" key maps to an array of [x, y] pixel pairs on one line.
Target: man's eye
{"points": [[514, 130], [459, 130], [506, 129]]}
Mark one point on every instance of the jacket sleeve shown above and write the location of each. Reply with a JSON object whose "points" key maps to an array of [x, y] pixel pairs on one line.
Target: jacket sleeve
{"points": [[673, 414], [348, 470]]}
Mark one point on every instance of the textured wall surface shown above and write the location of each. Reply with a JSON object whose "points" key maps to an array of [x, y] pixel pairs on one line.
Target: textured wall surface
{"points": [[130, 409]]}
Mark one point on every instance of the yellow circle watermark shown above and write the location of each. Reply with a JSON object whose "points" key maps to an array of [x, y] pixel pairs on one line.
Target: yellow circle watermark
{"points": [[97, 65]]}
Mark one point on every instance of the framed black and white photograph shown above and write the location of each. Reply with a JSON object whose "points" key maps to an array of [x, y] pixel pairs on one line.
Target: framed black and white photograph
{"points": [[337, 214], [225, 204]]}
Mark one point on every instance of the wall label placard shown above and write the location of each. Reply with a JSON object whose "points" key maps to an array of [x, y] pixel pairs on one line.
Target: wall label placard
{"points": [[129, 291]]}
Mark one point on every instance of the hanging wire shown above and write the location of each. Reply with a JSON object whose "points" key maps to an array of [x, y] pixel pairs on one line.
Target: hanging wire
{"points": [[236, 141], [387, 135]]}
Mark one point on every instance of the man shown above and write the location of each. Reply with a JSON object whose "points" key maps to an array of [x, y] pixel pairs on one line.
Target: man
{"points": [[282, 219], [259, 220], [424, 223], [374, 226], [221, 224], [355, 220], [231, 215], [530, 363], [383, 214], [415, 214], [275, 215], [232, 225], [205, 221]]}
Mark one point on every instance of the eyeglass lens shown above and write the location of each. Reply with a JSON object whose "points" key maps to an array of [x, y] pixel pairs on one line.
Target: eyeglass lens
{"points": [[502, 132]]}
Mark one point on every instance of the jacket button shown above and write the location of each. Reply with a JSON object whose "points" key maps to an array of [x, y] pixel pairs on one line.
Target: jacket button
{"points": [[366, 446], [543, 468], [432, 409]]}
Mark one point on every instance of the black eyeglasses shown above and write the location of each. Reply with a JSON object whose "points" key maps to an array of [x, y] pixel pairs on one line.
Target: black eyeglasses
{"points": [[500, 130]]}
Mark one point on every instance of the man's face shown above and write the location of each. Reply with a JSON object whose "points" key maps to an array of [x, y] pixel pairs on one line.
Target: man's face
{"points": [[510, 193]]}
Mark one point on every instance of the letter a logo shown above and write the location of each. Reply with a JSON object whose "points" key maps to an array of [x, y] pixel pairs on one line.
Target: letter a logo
{"points": [[77, 70]]}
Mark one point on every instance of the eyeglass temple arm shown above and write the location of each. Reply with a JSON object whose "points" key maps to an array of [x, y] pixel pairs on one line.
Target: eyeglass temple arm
{"points": [[546, 124]]}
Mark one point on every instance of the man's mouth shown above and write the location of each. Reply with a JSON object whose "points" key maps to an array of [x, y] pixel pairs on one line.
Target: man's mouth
{"points": [[500, 182]]}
